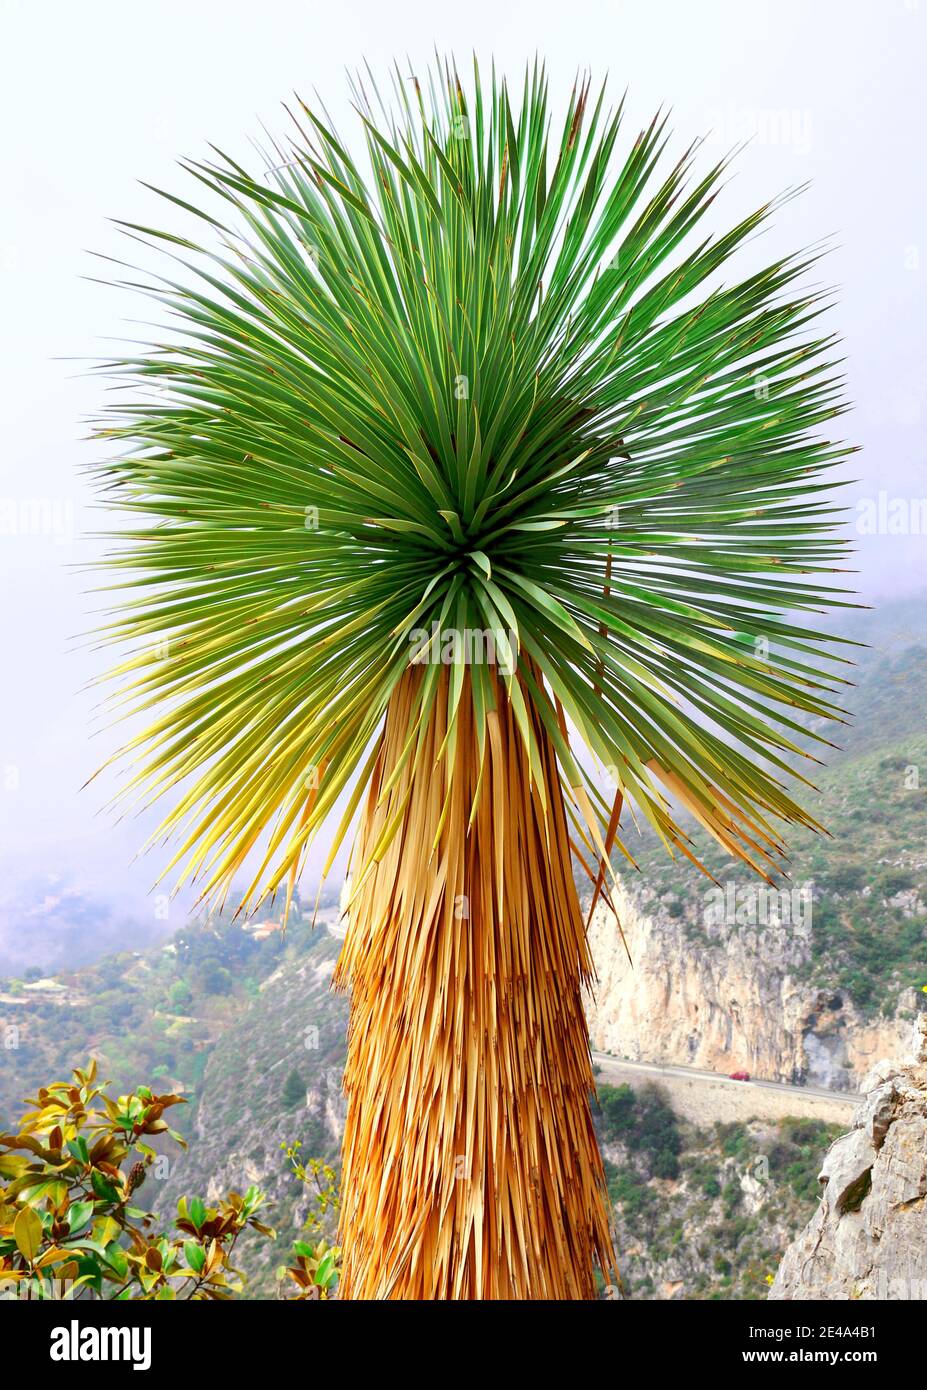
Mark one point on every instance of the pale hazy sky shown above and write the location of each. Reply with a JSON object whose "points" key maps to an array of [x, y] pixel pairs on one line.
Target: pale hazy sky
{"points": [[98, 97]]}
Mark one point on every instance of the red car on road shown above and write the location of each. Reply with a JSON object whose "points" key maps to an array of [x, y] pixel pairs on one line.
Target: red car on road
{"points": [[739, 1076]]}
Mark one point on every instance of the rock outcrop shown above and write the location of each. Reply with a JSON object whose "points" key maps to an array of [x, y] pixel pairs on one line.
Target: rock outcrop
{"points": [[868, 1238], [723, 997]]}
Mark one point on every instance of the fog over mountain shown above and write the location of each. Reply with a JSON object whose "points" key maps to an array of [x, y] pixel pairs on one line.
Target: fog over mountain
{"points": [[85, 896]]}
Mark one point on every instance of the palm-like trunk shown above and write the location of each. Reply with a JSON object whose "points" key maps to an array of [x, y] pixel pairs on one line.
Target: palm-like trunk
{"points": [[471, 1168]]}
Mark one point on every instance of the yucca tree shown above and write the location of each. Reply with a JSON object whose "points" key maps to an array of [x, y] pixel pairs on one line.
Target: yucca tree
{"points": [[459, 461]]}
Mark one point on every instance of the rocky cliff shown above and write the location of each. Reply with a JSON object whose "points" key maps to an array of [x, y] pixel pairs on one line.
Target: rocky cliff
{"points": [[868, 1238], [818, 980], [724, 997]]}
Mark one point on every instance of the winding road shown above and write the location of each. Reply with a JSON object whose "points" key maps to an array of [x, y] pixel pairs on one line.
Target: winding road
{"points": [[709, 1095], [606, 1060]]}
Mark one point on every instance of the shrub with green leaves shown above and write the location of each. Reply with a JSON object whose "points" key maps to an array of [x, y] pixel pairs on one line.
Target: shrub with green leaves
{"points": [[70, 1223], [318, 1263]]}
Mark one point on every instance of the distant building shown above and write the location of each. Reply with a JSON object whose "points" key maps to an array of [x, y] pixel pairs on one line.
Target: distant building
{"points": [[260, 931]]}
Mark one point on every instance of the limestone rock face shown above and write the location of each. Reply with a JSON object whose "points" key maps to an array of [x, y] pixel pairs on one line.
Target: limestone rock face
{"points": [[725, 997], [868, 1238]]}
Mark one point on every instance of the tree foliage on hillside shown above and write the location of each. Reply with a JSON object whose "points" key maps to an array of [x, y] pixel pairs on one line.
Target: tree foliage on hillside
{"points": [[645, 1119]]}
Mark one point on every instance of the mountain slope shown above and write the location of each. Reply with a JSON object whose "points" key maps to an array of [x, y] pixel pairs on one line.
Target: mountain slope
{"points": [[223, 1012], [248, 1108], [811, 983]]}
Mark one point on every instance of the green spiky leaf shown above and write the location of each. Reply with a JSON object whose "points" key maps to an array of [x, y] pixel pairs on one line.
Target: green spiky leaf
{"points": [[483, 381]]}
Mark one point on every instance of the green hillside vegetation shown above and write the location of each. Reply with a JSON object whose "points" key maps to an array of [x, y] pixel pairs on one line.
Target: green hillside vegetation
{"points": [[156, 1014], [709, 1211], [869, 919], [247, 1109]]}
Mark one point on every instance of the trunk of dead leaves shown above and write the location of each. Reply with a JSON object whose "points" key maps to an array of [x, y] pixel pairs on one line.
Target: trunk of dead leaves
{"points": [[471, 1168]]}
